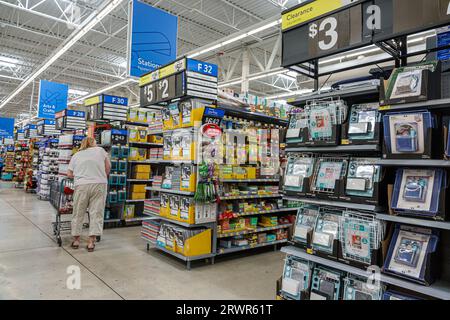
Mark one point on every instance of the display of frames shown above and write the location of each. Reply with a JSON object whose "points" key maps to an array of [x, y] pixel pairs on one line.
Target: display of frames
{"points": [[364, 124], [326, 231], [420, 192], [356, 288], [408, 134], [296, 277], [298, 168], [305, 223], [410, 252], [362, 176], [326, 284], [360, 237], [327, 172]]}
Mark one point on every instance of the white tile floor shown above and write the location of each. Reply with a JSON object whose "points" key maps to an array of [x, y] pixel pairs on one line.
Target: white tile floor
{"points": [[32, 266]]}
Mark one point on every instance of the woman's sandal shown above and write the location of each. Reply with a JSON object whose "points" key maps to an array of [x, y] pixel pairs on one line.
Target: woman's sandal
{"points": [[90, 249], [73, 246]]}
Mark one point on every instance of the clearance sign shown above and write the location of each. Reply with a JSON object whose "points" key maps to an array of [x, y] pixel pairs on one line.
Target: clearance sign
{"points": [[311, 11]]}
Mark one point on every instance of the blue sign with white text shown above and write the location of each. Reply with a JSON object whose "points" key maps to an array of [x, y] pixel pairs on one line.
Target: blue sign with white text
{"points": [[6, 127], [153, 40], [121, 101], [52, 98], [205, 68], [75, 113]]}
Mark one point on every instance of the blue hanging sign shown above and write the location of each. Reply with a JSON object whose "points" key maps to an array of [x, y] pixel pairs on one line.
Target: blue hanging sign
{"points": [[209, 69], [152, 39], [121, 101], [52, 98], [6, 127]]}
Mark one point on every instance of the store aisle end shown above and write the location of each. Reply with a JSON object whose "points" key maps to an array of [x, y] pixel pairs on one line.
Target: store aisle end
{"points": [[32, 266]]}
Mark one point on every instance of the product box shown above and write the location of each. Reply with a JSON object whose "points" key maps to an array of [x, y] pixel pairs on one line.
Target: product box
{"points": [[138, 195], [142, 176], [138, 154], [138, 188], [188, 178], [128, 211], [174, 207], [164, 205], [142, 168], [187, 210]]}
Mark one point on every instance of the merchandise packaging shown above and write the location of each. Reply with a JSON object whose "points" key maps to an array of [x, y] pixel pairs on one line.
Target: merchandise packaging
{"points": [[410, 253], [175, 115], [174, 207], [362, 177], [358, 289], [327, 172], [361, 237], [297, 169], [412, 84], [296, 279], [393, 295], [167, 146], [326, 284], [326, 231], [420, 192], [305, 224], [187, 210], [364, 124], [408, 133], [188, 181]]}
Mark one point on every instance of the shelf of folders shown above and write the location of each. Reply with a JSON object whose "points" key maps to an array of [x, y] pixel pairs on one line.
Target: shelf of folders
{"points": [[383, 210]]}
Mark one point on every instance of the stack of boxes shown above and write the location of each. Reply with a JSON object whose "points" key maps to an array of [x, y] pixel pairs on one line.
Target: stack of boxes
{"points": [[118, 177]]}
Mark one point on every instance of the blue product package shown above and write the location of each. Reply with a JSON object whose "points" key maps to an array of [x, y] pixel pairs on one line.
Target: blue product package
{"points": [[417, 192], [409, 252]]}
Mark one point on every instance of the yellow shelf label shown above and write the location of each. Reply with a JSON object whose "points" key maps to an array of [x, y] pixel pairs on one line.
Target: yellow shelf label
{"points": [[383, 108], [309, 251], [345, 142]]}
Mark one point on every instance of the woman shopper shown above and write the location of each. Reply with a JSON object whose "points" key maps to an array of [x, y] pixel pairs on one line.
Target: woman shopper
{"points": [[89, 168]]}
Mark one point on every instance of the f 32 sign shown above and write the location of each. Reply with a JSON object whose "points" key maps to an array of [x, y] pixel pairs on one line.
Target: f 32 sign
{"points": [[152, 38], [324, 27], [52, 98]]}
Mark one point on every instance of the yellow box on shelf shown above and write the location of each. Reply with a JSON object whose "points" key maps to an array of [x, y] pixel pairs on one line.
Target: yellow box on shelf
{"points": [[142, 175], [138, 195], [142, 168], [164, 205], [197, 245], [188, 178], [138, 154], [138, 188], [174, 207]]}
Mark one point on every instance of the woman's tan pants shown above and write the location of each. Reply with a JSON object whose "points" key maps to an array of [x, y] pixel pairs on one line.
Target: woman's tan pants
{"points": [[92, 196]]}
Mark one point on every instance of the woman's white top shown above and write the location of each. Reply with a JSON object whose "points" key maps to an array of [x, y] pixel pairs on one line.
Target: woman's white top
{"points": [[88, 166]]}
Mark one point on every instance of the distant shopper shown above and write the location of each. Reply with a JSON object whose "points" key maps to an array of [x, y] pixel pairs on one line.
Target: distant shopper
{"points": [[89, 168], [1, 166]]}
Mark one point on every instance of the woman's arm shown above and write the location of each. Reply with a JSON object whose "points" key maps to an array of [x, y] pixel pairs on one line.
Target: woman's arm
{"points": [[70, 174], [107, 166]]}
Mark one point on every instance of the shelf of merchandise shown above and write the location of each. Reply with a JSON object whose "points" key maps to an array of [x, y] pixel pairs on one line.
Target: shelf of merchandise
{"points": [[345, 93], [256, 230], [240, 112], [183, 224], [140, 180], [430, 104], [180, 256], [440, 289], [350, 205], [149, 144], [221, 251], [443, 225], [130, 200], [250, 197], [160, 161], [136, 124], [184, 193], [281, 210], [333, 149], [137, 219], [413, 163], [249, 180]]}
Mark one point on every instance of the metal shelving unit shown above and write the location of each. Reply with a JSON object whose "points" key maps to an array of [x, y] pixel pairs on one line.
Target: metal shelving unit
{"points": [[244, 214], [257, 230], [440, 290], [335, 149], [148, 144], [184, 193], [251, 197], [221, 251], [443, 225], [414, 163], [351, 205], [430, 104], [140, 180], [249, 180], [183, 224]]}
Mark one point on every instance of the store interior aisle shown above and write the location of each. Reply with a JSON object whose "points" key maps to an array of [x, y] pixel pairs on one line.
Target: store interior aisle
{"points": [[32, 266]]}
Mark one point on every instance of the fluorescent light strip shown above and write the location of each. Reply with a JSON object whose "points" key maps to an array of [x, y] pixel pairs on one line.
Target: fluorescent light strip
{"points": [[236, 38], [64, 48]]}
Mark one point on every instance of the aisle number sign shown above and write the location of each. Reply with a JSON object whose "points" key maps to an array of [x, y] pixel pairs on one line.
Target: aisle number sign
{"points": [[180, 78], [325, 27]]}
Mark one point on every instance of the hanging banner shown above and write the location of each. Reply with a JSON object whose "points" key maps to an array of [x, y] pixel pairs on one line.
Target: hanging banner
{"points": [[52, 98], [152, 38], [6, 128]]}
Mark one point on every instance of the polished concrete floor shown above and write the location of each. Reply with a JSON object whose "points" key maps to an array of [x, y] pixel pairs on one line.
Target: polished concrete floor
{"points": [[32, 266]]}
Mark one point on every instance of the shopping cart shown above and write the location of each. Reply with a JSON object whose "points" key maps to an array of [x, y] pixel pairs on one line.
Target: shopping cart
{"points": [[61, 197]]}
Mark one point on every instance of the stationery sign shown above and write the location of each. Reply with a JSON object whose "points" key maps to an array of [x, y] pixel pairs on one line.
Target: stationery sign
{"points": [[6, 128], [325, 27], [152, 38], [52, 98]]}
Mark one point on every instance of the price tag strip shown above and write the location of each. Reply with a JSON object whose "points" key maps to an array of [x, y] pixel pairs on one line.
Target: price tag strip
{"points": [[184, 77], [325, 27]]}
